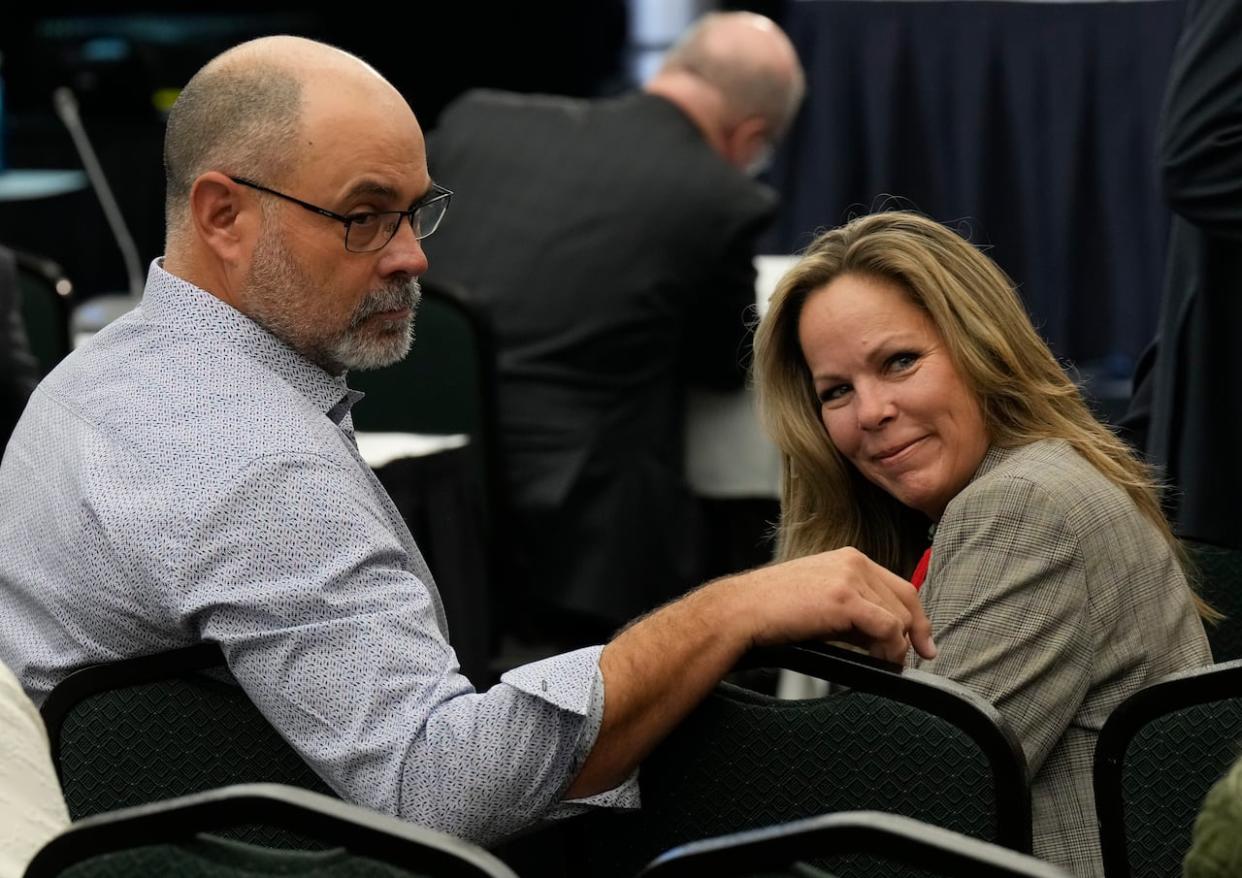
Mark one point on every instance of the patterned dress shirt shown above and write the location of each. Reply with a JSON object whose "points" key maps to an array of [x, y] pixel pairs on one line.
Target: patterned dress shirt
{"points": [[185, 476]]}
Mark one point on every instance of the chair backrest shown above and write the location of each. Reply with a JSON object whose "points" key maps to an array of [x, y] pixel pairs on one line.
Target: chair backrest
{"points": [[164, 838], [1218, 577], [46, 303], [1156, 758], [815, 846], [161, 726], [905, 742]]}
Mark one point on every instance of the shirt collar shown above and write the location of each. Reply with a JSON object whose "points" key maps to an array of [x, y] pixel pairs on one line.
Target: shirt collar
{"points": [[176, 303]]}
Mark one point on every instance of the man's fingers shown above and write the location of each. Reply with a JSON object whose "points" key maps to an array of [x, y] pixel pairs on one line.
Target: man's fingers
{"points": [[921, 636], [918, 626], [883, 630]]}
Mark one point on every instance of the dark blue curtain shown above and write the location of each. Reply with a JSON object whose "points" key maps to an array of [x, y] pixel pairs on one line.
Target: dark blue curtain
{"points": [[1032, 125]]}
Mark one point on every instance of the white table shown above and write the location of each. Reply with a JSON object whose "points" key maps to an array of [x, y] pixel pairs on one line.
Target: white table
{"points": [[380, 449]]}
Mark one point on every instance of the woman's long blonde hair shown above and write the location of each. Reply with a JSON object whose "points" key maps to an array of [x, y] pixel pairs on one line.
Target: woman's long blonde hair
{"points": [[1024, 392]]}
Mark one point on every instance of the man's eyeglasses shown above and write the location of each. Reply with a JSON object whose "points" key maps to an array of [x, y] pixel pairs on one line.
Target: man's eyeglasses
{"points": [[368, 231]]}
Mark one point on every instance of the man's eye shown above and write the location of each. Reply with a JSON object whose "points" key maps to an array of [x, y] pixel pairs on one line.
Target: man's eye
{"points": [[364, 220]]}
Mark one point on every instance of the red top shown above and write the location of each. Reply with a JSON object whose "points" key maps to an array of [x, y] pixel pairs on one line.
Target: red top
{"points": [[920, 571]]}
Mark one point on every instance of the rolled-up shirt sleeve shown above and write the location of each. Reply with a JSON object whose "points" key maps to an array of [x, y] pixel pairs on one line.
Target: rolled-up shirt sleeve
{"points": [[328, 618]]}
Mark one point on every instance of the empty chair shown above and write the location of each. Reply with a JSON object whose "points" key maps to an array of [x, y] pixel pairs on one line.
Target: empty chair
{"points": [[906, 742], [165, 838], [160, 726], [1156, 758], [808, 848], [46, 298]]}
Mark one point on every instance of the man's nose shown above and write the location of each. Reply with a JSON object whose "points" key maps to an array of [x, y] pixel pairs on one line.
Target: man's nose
{"points": [[404, 253]]}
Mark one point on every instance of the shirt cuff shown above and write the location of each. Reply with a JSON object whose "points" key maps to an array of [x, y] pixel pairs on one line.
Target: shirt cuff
{"points": [[573, 682]]}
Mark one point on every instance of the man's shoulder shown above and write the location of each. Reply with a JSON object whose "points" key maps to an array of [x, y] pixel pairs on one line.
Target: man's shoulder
{"points": [[154, 392], [490, 106]]}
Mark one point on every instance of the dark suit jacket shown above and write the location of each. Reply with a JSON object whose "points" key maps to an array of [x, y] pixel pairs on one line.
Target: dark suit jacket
{"points": [[610, 249], [1187, 407], [19, 373]]}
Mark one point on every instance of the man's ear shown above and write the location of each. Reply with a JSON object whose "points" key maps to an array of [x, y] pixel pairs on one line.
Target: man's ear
{"points": [[747, 141], [224, 218]]}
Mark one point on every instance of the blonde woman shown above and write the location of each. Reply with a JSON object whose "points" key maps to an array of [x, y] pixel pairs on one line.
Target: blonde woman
{"points": [[923, 421]]}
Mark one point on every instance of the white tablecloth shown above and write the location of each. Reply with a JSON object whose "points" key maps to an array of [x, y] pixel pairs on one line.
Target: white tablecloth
{"points": [[380, 449]]}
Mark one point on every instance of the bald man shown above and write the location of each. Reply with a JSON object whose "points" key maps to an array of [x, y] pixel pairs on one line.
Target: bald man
{"points": [[191, 475], [610, 245]]}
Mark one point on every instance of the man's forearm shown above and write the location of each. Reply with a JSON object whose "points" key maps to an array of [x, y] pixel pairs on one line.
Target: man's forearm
{"points": [[656, 671]]}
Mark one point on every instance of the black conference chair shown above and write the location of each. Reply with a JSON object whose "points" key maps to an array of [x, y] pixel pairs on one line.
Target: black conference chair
{"points": [[47, 297], [900, 741], [1156, 758], [810, 848], [1218, 577], [165, 838], [162, 726]]}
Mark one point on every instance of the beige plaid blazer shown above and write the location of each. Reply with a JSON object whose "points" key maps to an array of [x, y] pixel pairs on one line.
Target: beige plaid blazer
{"points": [[1053, 597]]}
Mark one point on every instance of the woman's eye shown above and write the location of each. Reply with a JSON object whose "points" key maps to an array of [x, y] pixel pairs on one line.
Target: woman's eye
{"points": [[834, 393], [901, 361]]}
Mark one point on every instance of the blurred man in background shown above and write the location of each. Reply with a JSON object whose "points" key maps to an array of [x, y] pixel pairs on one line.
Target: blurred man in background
{"points": [[609, 245]]}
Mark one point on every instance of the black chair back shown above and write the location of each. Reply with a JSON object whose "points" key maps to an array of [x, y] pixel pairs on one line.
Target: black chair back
{"points": [[46, 299], [815, 846], [165, 838], [905, 742], [162, 726], [1156, 758]]}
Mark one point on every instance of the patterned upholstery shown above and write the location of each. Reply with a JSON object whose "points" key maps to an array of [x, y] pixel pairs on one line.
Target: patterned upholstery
{"points": [[744, 760], [1219, 580], [1157, 757], [130, 741]]}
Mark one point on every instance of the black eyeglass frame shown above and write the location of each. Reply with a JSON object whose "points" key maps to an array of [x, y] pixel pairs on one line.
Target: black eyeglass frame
{"points": [[436, 193]]}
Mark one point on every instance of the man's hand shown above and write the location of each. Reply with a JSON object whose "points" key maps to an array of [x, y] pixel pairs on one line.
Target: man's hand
{"points": [[837, 595], [659, 668]]}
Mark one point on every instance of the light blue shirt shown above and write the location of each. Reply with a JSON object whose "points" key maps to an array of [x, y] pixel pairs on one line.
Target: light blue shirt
{"points": [[186, 476]]}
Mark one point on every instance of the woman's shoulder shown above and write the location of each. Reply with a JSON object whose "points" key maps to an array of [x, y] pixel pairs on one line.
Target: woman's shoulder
{"points": [[1048, 475]]}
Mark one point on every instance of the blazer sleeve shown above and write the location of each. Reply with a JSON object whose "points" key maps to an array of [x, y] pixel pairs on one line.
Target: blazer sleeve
{"points": [[1007, 599], [1201, 128]]}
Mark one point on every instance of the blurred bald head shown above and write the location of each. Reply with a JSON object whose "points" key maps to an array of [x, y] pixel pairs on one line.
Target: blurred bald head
{"points": [[244, 113], [749, 61]]}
